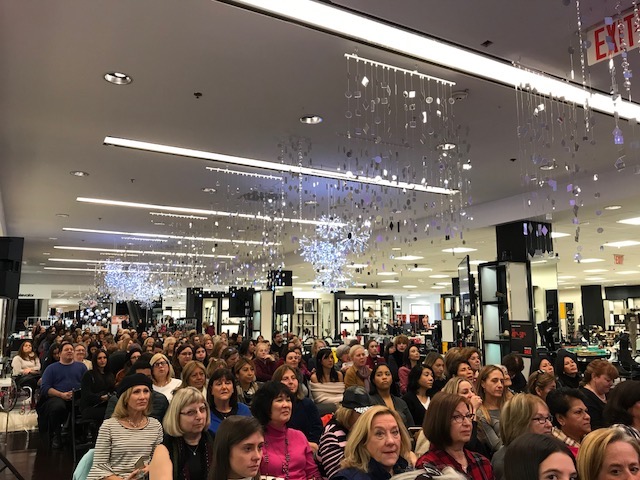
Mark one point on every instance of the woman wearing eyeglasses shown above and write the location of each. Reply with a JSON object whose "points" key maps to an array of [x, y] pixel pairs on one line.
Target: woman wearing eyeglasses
{"points": [[162, 375], [187, 449], [523, 413], [448, 426]]}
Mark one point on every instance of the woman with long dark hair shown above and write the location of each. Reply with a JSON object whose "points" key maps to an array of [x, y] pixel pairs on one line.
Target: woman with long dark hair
{"points": [[410, 359], [26, 366], [384, 392], [238, 449], [417, 397], [96, 387], [533, 457]]}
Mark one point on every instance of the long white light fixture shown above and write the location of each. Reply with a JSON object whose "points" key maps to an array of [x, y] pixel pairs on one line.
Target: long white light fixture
{"points": [[323, 16], [273, 166], [168, 237], [86, 260], [215, 213], [141, 252], [75, 269]]}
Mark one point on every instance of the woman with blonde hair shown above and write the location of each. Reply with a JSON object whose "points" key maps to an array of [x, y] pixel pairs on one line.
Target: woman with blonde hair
{"points": [[541, 383], [378, 447], [523, 413], [162, 375], [194, 374], [129, 435], [608, 454], [169, 347], [187, 449], [491, 389]]}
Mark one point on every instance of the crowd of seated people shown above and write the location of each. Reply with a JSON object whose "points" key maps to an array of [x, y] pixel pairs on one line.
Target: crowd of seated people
{"points": [[184, 405]]}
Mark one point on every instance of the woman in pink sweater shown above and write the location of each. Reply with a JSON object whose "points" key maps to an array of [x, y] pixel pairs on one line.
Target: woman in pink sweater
{"points": [[286, 451]]}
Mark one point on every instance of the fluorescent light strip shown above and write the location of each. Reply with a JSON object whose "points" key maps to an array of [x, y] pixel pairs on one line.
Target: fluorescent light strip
{"points": [[174, 215], [145, 239], [169, 237], [622, 243], [215, 213], [86, 260], [72, 269], [278, 167], [244, 174], [321, 15], [142, 252]]}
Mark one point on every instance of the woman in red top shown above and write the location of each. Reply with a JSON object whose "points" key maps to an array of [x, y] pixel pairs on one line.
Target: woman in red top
{"points": [[448, 426]]}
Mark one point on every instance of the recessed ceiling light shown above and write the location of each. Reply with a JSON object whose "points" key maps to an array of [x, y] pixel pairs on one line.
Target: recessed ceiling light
{"points": [[438, 276], [209, 190], [396, 249], [438, 287], [409, 257], [310, 119], [446, 146], [78, 173], [559, 234], [53, 238], [594, 279], [446, 284], [62, 215], [628, 272], [591, 260], [46, 253], [389, 281], [409, 286], [630, 221], [622, 243], [613, 207], [386, 274], [596, 270], [358, 265], [459, 250], [566, 277], [420, 269], [118, 78], [294, 277]]}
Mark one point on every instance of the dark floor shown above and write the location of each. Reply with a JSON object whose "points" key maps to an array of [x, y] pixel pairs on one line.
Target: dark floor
{"points": [[34, 458]]}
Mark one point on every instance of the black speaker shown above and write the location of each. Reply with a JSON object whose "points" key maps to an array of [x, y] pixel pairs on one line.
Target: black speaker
{"points": [[10, 266], [285, 304]]}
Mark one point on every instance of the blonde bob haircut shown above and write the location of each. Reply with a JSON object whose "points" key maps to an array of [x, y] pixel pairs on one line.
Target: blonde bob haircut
{"points": [[356, 454], [516, 415], [122, 409], [593, 449], [190, 367], [156, 358], [181, 400]]}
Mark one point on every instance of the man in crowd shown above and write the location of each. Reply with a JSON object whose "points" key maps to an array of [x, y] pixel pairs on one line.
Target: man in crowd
{"points": [[59, 381]]}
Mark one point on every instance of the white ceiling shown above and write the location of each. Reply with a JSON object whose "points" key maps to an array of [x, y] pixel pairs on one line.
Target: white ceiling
{"points": [[257, 76]]}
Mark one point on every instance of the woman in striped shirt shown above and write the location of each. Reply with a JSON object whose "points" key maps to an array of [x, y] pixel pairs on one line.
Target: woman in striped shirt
{"points": [[130, 436]]}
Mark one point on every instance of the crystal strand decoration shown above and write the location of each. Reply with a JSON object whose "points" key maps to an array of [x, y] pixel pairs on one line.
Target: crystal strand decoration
{"points": [[626, 71], [583, 47], [618, 138]]}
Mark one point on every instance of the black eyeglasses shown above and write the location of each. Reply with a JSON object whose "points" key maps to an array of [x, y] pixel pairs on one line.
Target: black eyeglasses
{"points": [[542, 420], [460, 418]]}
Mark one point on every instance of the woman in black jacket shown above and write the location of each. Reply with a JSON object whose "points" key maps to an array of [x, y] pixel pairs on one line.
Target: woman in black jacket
{"points": [[418, 389], [97, 385], [566, 368]]}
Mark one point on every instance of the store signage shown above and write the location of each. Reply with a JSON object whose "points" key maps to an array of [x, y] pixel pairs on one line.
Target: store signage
{"points": [[603, 39], [35, 291]]}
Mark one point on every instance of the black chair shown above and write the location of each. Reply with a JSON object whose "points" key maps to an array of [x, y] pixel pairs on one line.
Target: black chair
{"points": [[627, 366], [83, 431]]}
